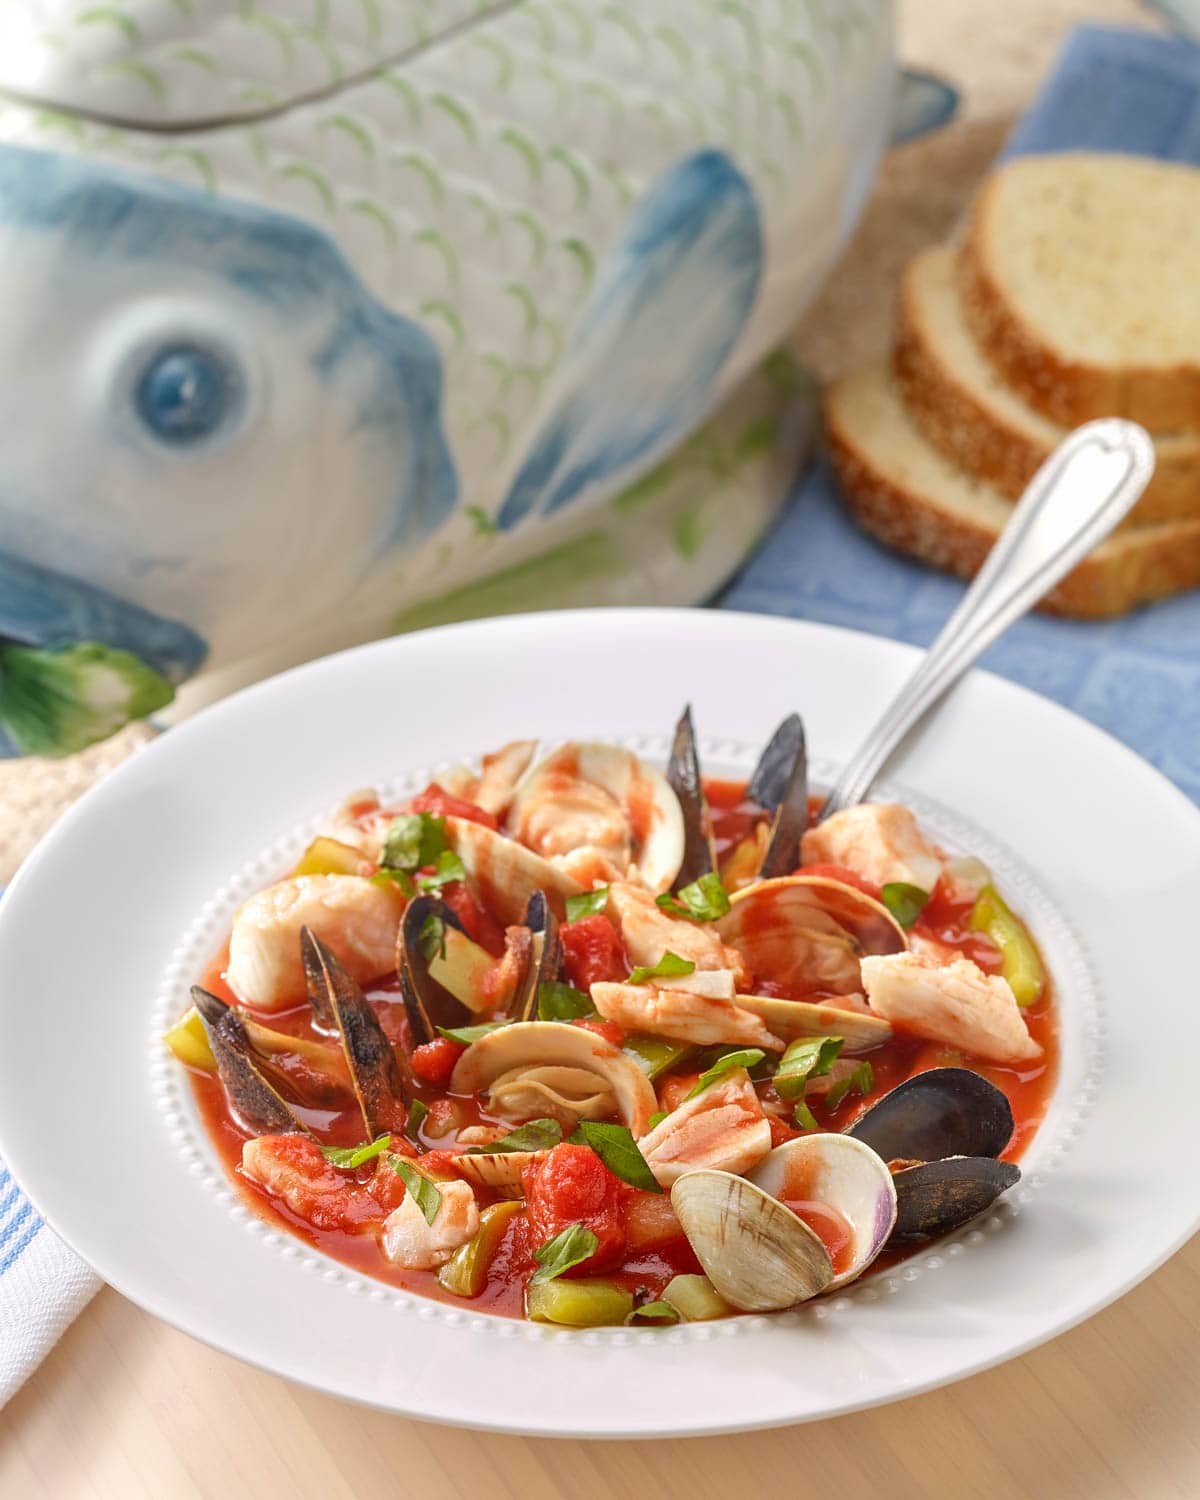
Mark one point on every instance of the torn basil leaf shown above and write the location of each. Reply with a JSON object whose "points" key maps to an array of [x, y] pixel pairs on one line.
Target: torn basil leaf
{"points": [[449, 867], [560, 1002], [534, 1135], [423, 1193], [658, 1117], [905, 902], [653, 1312], [349, 1157], [804, 1059], [432, 937], [413, 840], [669, 966], [617, 1149], [747, 1057], [468, 1034], [861, 1081], [587, 904], [395, 877], [704, 900], [417, 1111], [568, 1248]]}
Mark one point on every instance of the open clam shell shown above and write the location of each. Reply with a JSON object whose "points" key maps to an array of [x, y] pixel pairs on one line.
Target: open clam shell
{"points": [[940, 1113], [804, 930], [504, 874], [498, 1171], [551, 1068], [845, 1175], [940, 1196], [859, 1030], [754, 1250], [601, 797]]}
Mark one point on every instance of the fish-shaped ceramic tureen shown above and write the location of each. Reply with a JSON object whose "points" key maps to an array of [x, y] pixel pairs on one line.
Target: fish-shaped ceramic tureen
{"points": [[323, 318]]}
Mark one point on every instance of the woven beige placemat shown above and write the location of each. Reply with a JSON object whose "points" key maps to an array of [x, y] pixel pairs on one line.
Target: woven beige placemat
{"points": [[996, 52]]}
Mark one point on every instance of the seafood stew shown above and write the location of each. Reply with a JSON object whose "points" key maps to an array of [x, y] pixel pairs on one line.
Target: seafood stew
{"points": [[573, 1039]]}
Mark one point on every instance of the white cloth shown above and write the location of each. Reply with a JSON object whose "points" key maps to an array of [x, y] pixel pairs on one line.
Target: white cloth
{"points": [[43, 1287]]}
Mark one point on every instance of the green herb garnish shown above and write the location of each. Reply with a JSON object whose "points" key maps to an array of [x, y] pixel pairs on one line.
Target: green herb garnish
{"points": [[417, 1111], [432, 937], [422, 1191], [468, 1034], [617, 1149], [534, 1135], [568, 1248], [588, 904], [748, 1057], [669, 966], [905, 902], [658, 1117], [653, 1312], [449, 867], [861, 1081], [413, 840], [395, 877], [704, 900], [349, 1157], [560, 1002], [805, 1117], [804, 1059]]}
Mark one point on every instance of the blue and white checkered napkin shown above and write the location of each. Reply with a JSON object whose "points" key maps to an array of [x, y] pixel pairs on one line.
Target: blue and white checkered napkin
{"points": [[1139, 678]]}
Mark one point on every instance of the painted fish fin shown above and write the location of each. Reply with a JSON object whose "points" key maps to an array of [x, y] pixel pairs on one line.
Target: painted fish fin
{"points": [[640, 370]]}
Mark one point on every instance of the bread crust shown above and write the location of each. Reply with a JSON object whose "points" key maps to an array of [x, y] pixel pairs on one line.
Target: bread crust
{"points": [[1162, 398], [984, 444], [1137, 568]]}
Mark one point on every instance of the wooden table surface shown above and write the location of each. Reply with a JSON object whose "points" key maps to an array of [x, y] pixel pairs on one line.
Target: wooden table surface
{"points": [[126, 1408]]}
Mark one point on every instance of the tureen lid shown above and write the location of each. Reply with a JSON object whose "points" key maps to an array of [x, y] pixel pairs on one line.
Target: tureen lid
{"points": [[173, 63]]}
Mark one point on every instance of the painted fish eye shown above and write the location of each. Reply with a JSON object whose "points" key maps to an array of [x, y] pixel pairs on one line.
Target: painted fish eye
{"points": [[187, 393]]}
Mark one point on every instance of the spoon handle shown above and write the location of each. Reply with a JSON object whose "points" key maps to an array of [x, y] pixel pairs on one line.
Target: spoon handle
{"points": [[1087, 485]]}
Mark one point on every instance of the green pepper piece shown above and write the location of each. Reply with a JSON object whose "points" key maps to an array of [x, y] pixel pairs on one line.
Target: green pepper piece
{"points": [[583, 1303], [465, 1273], [655, 1054], [1020, 962], [695, 1298]]}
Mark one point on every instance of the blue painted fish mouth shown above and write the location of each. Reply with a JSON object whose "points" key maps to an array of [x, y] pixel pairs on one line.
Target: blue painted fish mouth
{"points": [[47, 609]]}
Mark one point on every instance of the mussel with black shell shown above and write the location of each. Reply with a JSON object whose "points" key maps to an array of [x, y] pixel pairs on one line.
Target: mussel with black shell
{"points": [[778, 784], [942, 1132]]}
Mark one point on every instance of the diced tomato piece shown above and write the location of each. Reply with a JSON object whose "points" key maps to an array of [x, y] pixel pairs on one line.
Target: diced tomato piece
{"points": [[780, 1132], [434, 1061], [440, 803], [847, 877], [480, 927], [593, 952], [609, 1030], [573, 1186]]}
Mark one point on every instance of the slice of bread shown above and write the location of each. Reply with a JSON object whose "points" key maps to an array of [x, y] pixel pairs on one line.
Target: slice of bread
{"points": [[962, 406], [903, 491], [1080, 283]]}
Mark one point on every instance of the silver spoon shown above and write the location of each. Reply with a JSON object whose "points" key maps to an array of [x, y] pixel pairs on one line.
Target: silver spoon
{"points": [[1087, 485]]}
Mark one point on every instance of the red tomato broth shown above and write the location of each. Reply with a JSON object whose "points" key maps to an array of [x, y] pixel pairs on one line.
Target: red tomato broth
{"points": [[647, 1271]]}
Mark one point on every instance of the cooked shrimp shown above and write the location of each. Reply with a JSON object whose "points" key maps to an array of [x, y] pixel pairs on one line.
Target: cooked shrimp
{"points": [[648, 933], [562, 814], [291, 1167], [357, 919], [956, 1003], [409, 1240], [879, 841], [723, 1128], [683, 1016]]}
